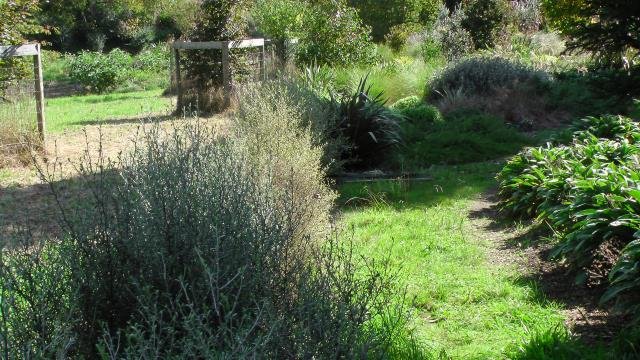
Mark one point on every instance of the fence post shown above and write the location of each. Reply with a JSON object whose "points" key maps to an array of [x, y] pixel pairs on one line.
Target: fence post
{"points": [[37, 71], [176, 56], [226, 73]]}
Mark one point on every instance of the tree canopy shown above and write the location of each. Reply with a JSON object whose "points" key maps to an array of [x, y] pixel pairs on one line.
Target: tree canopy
{"points": [[607, 28]]}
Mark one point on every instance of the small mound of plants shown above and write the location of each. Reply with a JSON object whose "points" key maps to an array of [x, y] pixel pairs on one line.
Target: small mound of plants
{"points": [[482, 75], [589, 193], [416, 110]]}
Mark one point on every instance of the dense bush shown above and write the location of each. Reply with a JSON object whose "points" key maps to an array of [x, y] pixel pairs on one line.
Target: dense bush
{"points": [[383, 16], [218, 20], [334, 34], [514, 91], [483, 75], [197, 247], [17, 20], [588, 193], [486, 21], [100, 72], [527, 15], [99, 25], [398, 35], [449, 35], [279, 19]]}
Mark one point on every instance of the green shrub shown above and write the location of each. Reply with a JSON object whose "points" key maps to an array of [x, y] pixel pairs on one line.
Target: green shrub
{"points": [[535, 177], [280, 19], [588, 193], [192, 246], [383, 16], [285, 132], [334, 35], [100, 72], [399, 34], [153, 59], [486, 21], [369, 128], [483, 75], [528, 16], [448, 34], [218, 20], [415, 109], [607, 127]]}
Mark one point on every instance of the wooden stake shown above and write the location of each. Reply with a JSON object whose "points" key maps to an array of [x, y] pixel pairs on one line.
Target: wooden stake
{"points": [[226, 73], [37, 71], [176, 56]]}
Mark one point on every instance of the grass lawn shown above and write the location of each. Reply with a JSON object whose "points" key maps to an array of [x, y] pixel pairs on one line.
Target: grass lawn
{"points": [[75, 111], [465, 306]]}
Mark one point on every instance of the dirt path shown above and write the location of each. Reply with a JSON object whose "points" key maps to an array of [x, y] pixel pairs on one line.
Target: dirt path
{"points": [[525, 247]]}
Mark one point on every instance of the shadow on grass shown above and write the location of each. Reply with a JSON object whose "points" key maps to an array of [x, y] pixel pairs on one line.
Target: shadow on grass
{"points": [[97, 99], [592, 325], [443, 183], [37, 210], [126, 120]]}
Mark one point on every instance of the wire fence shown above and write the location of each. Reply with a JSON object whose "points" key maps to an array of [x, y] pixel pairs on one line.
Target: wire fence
{"points": [[204, 75], [18, 115]]}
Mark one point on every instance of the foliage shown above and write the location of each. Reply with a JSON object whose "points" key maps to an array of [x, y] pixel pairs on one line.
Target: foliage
{"points": [[397, 76], [335, 35], [483, 75], [99, 25], [217, 20], [528, 16], [398, 35], [280, 19], [285, 131], [616, 30], [588, 193], [188, 247], [486, 21], [17, 21], [368, 126], [383, 16], [416, 110], [100, 72], [448, 33]]}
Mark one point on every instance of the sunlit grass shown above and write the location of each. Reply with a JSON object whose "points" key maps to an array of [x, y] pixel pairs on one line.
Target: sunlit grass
{"points": [[76, 111], [464, 306]]}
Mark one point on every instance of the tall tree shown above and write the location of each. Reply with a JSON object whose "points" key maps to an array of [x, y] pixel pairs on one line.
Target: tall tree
{"points": [[607, 28]]}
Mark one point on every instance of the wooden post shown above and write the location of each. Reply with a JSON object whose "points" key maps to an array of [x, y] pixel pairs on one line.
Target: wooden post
{"points": [[226, 73], [263, 64], [176, 56], [37, 71]]}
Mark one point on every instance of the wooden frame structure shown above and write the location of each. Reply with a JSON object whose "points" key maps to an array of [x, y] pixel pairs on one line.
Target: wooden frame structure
{"points": [[34, 51], [224, 46]]}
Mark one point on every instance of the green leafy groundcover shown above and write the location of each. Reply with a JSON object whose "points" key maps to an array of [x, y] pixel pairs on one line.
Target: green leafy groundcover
{"points": [[589, 192]]}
